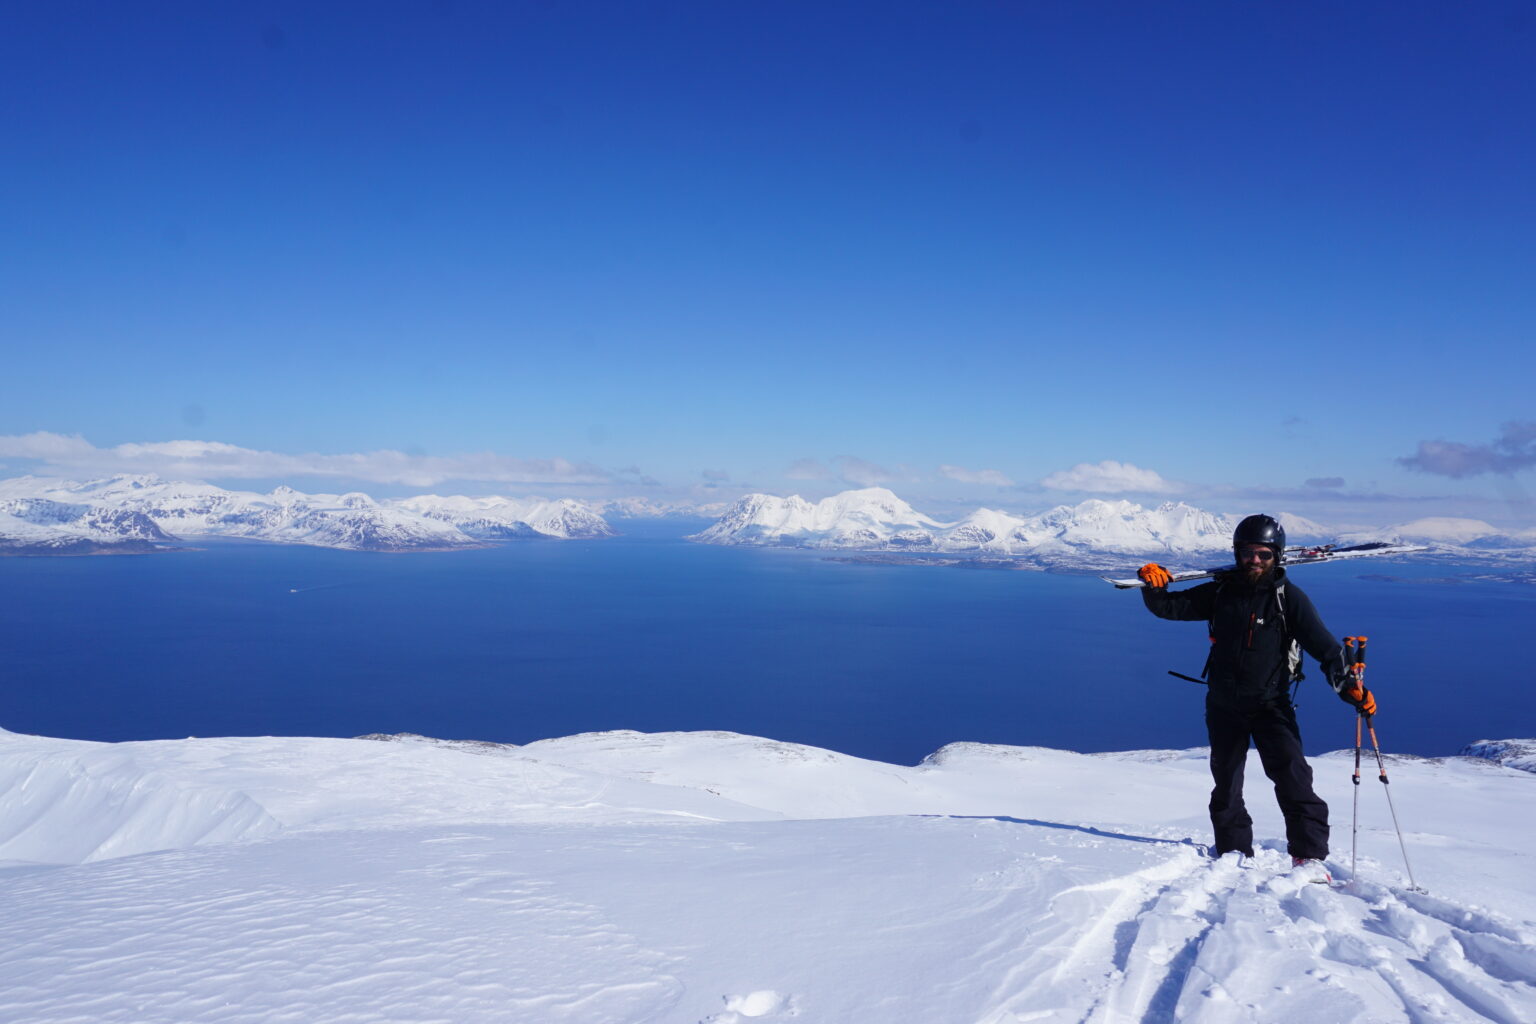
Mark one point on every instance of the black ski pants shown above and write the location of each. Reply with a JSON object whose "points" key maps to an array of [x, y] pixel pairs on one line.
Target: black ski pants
{"points": [[1273, 729]]}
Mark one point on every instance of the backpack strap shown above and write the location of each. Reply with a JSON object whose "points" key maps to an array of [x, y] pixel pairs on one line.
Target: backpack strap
{"points": [[1292, 645], [1210, 625]]}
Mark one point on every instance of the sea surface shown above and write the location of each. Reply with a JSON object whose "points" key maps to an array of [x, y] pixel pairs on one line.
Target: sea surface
{"points": [[650, 632]]}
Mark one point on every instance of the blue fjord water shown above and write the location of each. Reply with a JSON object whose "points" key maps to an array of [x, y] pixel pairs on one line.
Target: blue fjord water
{"points": [[648, 632]]}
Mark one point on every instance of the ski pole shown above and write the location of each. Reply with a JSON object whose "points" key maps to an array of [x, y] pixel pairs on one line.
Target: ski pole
{"points": [[1355, 655], [1386, 788], [1354, 821]]}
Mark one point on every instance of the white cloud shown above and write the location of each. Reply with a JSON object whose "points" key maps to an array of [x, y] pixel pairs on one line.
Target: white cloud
{"points": [[43, 445], [808, 469], [865, 474], [1107, 477], [976, 476], [210, 460]]}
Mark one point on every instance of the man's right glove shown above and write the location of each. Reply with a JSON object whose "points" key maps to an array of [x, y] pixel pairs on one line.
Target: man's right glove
{"points": [[1359, 698], [1154, 575]]}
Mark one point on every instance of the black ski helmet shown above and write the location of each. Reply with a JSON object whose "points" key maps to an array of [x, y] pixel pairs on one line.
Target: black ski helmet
{"points": [[1260, 529]]}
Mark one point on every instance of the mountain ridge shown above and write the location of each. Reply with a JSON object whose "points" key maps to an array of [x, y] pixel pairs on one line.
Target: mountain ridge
{"points": [[874, 519], [141, 513]]}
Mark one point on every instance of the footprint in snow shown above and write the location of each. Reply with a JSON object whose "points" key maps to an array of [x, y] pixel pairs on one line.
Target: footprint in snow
{"points": [[751, 1006]]}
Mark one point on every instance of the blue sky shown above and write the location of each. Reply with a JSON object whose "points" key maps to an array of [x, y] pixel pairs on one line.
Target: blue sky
{"points": [[1245, 255]]}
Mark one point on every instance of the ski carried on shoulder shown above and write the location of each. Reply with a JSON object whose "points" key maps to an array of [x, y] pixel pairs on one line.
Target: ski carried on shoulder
{"points": [[1297, 555]]}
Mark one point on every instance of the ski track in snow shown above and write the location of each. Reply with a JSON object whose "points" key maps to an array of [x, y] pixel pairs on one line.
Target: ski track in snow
{"points": [[1209, 942]]}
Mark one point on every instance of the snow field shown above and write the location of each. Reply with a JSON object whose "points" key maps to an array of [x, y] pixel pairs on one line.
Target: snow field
{"points": [[698, 877]]}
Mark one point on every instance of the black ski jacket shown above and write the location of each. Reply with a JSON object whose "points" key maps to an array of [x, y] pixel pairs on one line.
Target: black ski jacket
{"points": [[1249, 646]]}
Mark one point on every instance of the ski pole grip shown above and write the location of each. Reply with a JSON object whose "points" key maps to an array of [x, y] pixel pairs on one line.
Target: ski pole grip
{"points": [[1360, 654], [1349, 651]]}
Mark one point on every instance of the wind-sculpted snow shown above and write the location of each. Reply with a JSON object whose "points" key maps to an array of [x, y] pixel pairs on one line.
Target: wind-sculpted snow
{"points": [[721, 878], [69, 806], [57, 793], [141, 513]]}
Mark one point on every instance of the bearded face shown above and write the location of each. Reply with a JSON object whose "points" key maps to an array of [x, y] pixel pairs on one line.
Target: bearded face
{"points": [[1257, 561]]}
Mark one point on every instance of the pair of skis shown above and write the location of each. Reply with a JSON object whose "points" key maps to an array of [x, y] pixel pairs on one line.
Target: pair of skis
{"points": [[1295, 555]]}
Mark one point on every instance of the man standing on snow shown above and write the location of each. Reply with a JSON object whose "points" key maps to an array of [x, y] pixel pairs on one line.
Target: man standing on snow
{"points": [[1257, 620]]}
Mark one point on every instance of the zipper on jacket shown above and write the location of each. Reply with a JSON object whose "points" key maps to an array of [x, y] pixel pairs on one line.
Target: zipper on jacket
{"points": [[1253, 618]]}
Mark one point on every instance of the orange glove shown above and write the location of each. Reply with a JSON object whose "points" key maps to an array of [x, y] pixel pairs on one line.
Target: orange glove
{"points": [[1362, 699], [1154, 575]]}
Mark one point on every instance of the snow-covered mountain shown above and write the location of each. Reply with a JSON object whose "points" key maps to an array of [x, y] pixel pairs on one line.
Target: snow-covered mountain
{"points": [[41, 526], [871, 518], [118, 512], [1519, 754], [721, 878], [1458, 538], [874, 519], [649, 508], [499, 518], [1473, 534]]}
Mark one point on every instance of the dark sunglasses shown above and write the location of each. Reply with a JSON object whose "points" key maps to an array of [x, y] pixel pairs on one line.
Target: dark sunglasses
{"points": [[1262, 553]]}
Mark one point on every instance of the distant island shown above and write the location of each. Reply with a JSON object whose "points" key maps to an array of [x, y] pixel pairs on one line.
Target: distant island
{"points": [[141, 514]]}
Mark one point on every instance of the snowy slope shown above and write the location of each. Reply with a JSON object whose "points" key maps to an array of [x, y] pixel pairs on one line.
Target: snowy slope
{"points": [[715, 877]]}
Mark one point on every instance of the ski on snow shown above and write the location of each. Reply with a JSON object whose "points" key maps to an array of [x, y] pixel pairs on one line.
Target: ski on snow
{"points": [[1296, 555]]}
